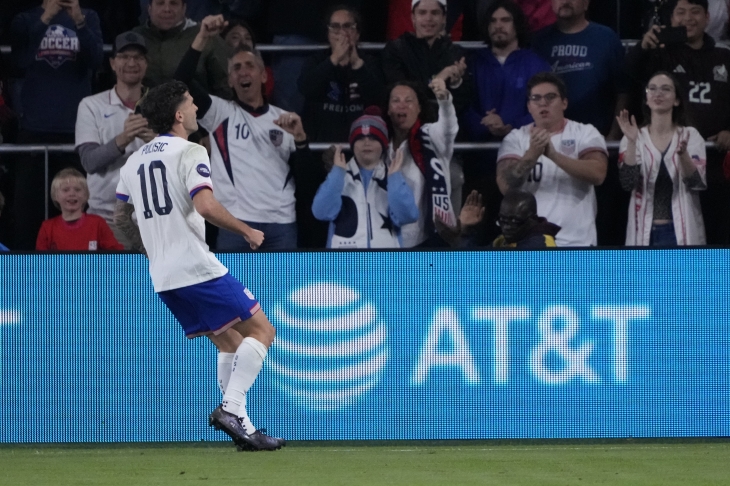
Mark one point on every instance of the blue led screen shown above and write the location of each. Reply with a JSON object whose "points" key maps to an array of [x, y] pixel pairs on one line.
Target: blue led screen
{"points": [[379, 345]]}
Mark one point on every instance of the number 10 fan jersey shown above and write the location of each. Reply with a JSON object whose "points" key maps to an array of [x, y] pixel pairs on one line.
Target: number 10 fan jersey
{"points": [[562, 198], [160, 180]]}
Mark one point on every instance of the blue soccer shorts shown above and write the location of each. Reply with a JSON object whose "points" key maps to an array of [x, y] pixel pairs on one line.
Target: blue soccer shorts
{"points": [[210, 307]]}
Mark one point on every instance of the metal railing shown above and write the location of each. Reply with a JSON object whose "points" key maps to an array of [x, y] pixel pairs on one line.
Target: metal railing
{"points": [[366, 46], [69, 148]]}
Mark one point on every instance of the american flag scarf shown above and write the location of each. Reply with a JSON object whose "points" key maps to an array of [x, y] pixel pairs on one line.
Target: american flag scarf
{"points": [[437, 189]]}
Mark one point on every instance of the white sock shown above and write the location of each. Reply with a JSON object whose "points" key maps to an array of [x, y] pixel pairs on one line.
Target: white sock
{"points": [[246, 366], [224, 370]]}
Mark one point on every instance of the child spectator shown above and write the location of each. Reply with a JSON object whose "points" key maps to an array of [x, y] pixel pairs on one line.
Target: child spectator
{"points": [[74, 229], [366, 201]]}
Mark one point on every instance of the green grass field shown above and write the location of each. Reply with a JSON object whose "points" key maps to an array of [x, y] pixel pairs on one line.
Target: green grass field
{"points": [[355, 463]]}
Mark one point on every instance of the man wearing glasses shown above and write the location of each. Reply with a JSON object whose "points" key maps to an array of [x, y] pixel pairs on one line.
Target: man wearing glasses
{"points": [[338, 84], [518, 221], [107, 129], [558, 160]]}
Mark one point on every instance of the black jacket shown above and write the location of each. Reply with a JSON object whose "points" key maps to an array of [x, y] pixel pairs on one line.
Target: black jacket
{"points": [[411, 58], [704, 75], [335, 95]]}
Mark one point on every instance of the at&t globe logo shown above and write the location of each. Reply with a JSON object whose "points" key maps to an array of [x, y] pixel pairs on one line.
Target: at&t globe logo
{"points": [[331, 346]]}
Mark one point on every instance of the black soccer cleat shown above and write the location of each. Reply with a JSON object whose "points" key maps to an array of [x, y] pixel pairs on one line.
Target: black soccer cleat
{"points": [[260, 441], [282, 442], [230, 425]]}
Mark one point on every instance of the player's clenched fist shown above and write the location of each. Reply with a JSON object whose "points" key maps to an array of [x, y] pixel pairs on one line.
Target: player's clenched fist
{"points": [[255, 238]]}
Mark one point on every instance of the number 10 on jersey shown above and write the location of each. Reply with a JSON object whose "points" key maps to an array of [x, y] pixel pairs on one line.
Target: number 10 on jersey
{"points": [[161, 210]]}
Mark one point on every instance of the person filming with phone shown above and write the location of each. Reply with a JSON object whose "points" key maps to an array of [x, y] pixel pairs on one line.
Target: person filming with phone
{"points": [[684, 49]]}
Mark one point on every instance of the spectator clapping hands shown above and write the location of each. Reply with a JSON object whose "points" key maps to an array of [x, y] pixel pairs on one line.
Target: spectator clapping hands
{"points": [[628, 125], [53, 7], [495, 125]]}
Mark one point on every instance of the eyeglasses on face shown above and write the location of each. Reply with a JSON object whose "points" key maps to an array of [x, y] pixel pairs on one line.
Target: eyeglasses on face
{"points": [[549, 98], [130, 57], [335, 27], [509, 221]]}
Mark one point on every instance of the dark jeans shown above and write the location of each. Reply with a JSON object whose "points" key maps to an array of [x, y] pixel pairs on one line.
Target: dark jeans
{"points": [[663, 235], [276, 237]]}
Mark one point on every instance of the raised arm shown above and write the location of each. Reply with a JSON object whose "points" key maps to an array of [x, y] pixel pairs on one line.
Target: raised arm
{"points": [[327, 202], [88, 30], [185, 72], [443, 131]]}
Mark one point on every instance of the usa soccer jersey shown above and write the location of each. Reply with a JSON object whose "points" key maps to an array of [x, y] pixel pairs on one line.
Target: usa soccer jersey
{"points": [[257, 183], [160, 180], [561, 198]]}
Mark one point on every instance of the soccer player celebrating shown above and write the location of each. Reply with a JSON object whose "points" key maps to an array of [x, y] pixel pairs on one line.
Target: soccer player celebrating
{"points": [[166, 183]]}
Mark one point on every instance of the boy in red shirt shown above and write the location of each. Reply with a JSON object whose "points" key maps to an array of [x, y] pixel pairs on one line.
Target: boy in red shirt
{"points": [[74, 229]]}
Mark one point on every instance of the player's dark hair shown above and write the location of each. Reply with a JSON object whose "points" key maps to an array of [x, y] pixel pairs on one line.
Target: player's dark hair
{"points": [[161, 104], [522, 28], [2, 201], [679, 117], [354, 13], [428, 111], [702, 3], [547, 77]]}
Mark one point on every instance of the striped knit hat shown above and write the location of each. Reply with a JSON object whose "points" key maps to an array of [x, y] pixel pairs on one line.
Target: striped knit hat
{"points": [[371, 124]]}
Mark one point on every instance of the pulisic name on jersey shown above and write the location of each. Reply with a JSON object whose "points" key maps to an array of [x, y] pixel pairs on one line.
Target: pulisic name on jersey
{"points": [[154, 147]]}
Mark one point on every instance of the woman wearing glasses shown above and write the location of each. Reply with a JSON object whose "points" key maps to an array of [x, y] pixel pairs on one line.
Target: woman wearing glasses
{"points": [[340, 82], [663, 165]]}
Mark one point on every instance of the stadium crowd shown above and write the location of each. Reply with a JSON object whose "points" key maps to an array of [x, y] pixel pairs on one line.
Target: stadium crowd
{"points": [[551, 84]]}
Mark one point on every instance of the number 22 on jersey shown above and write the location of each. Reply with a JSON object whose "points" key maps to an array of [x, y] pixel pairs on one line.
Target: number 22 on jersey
{"points": [[155, 165]]}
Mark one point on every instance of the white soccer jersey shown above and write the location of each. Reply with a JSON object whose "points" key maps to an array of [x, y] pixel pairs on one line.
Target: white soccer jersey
{"points": [[99, 120], [250, 162], [160, 180], [561, 198]]}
